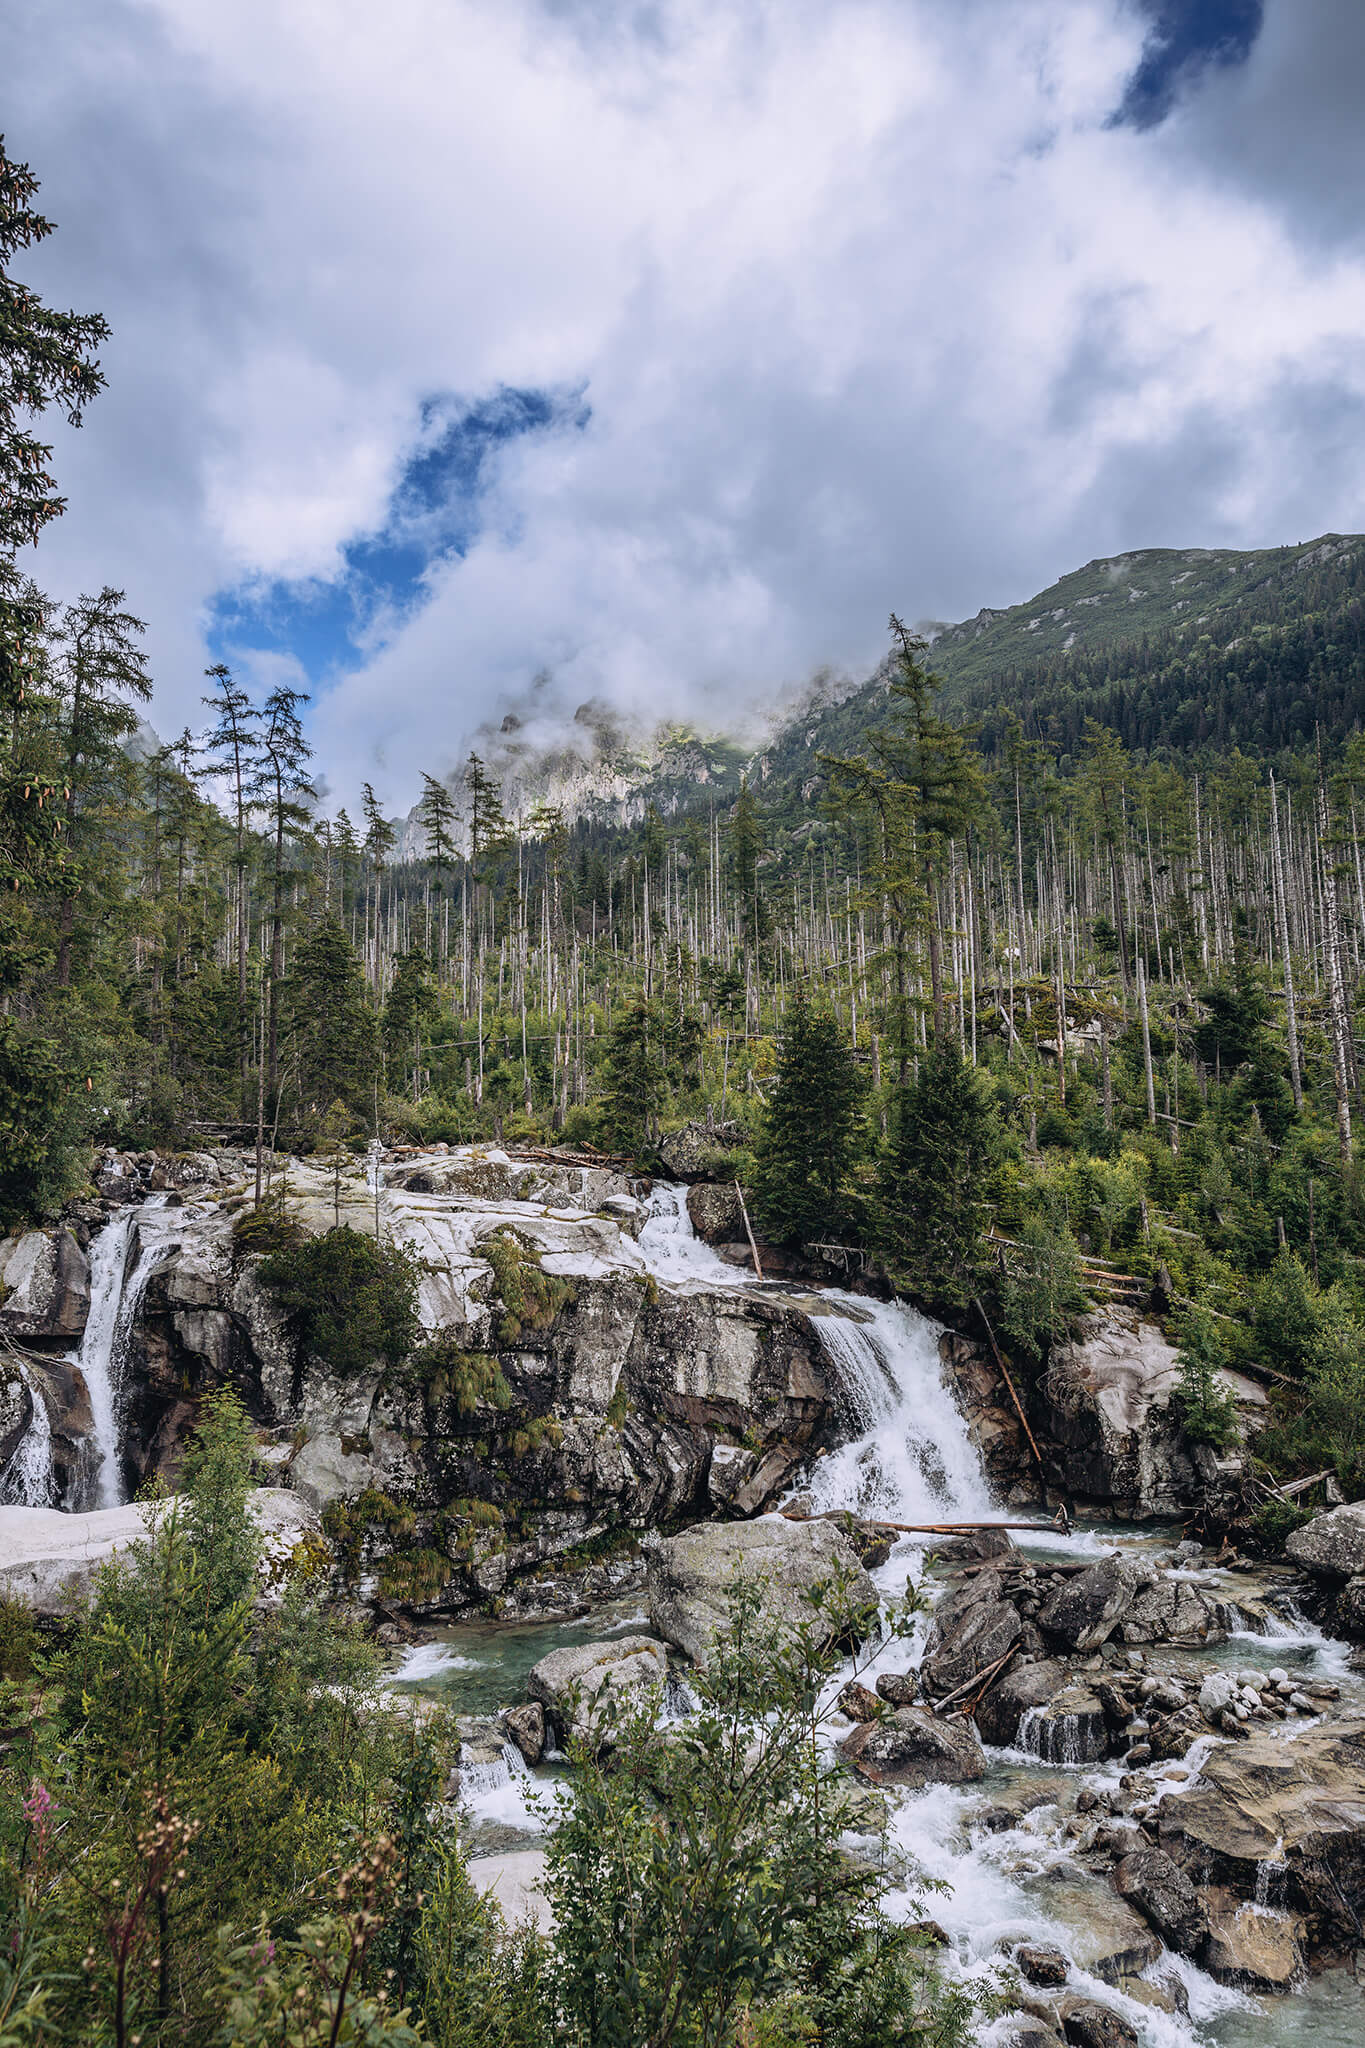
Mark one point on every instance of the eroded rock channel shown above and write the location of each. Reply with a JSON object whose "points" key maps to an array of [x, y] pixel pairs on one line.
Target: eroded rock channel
{"points": [[1134, 1759]]}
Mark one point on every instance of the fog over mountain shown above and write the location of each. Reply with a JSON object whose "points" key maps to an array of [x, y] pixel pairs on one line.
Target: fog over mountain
{"points": [[531, 355]]}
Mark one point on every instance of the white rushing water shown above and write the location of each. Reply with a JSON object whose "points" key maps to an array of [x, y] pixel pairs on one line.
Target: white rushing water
{"points": [[115, 1296], [674, 1253], [908, 1455], [28, 1480]]}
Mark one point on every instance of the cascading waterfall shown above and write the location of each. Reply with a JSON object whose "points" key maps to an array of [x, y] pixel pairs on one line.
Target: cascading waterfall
{"points": [[28, 1480], [115, 1298], [909, 1457]]}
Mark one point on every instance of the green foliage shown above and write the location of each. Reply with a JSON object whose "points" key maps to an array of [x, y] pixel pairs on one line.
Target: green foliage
{"points": [[813, 1131], [332, 1024], [350, 1299], [472, 1379], [352, 1526], [531, 1298], [1039, 1289], [932, 1178], [636, 1089], [700, 1891], [1208, 1409]]}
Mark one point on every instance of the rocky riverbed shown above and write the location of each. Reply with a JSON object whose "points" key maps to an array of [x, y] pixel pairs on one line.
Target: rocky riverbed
{"points": [[1138, 1762]]}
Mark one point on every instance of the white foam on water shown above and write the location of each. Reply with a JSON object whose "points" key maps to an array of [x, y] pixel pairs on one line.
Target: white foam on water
{"points": [[908, 1456], [429, 1660], [28, 1480], [504, 1794], [674, 1253], [115, 1297]]}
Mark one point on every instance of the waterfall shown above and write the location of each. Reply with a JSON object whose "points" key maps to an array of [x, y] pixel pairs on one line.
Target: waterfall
{"points": [[909, 1456], [115, 1298], [27, 1481], [1070, 1739]]}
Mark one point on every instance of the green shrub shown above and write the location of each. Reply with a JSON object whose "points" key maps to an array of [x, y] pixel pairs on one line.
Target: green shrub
{"points": [[1208, 1410], [531, 1298], [350, 1299], [470, 1378], [1040, 1289]]}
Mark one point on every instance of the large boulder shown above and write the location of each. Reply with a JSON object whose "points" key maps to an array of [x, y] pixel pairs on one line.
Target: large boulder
{"points": [[50, 1560], [914, 1748], [1296, 1808], [716, 1214], [1106, 1401], [1153, 1882], [44, 1285], [1022, 1687], [585, 1688], [1332, 1544], [1084, 1611], [1249, 1945], [690, 1152], [1172, 1610], [691, 1578], [973, 1627]]}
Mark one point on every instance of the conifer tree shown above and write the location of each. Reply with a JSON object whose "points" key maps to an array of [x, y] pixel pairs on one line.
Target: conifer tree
{"points": [[932, 1179], [813, 1130]]}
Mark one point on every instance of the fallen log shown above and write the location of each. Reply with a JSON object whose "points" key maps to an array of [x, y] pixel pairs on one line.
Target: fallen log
{"points": [[1060, 1524], [983, 1679]]}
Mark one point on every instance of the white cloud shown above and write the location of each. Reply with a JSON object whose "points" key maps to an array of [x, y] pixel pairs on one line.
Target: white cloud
{"points": [[870, 305]]}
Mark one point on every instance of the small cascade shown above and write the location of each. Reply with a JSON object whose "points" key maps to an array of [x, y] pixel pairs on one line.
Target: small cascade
{"points": [[674, 1253], [1067, 1739], [28, 1480], [908, 1456]]}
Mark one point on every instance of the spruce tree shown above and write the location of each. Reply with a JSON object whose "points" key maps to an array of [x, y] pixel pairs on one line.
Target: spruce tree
{"points": [[932, 1177], [813, 1130]]}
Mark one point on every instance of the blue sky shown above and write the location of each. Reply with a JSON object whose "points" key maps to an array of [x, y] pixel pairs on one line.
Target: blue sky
{"points": [[490, 355], [324, 624]]}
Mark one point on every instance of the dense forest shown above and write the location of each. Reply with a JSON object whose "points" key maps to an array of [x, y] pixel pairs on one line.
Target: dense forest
{"points": [[1012, 990]]}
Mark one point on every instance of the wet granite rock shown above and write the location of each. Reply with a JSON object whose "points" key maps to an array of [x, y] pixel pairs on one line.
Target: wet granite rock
{"points": [[972, 1628], [1086, 2024], [1040, 1963], [1250, 1946], [911, 1747], [858, 1704], [1085, 1610], [898, 1688], [526, 1727], [690, 1578], [1153, 1882]]}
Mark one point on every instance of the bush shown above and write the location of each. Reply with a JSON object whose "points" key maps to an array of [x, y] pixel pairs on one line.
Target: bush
{"points": [[531, 1298], [1208, 1410], [350, 1299], [1040, 1290]]}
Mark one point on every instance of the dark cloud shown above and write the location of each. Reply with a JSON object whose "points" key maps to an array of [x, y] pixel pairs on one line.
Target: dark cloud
{"points": [[842, 309]]}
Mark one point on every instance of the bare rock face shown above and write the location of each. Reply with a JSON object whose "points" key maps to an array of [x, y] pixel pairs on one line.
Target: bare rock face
{"points": [[44, 1285], [1331, 1545], [911, 1747], [1107, 1404], [1088, 2025], [583, 1688], [690, 1578], [621, 1404], [1298, 1807]]}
